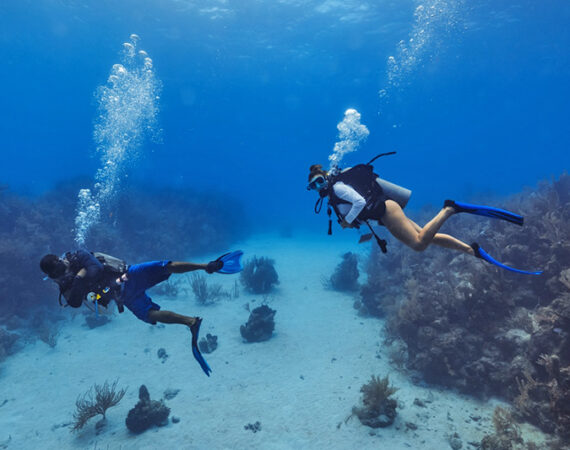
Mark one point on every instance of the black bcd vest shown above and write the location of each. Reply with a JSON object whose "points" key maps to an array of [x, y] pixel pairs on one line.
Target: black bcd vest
{"points": [[363, 180]]}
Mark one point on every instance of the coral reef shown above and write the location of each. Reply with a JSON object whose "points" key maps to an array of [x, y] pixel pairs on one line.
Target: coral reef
{"points": [[96, 401], [345, 275], [472, 326], [379, 409], [507, 435], [208, 344], [260, 325], [259, 275], [147, 413]]}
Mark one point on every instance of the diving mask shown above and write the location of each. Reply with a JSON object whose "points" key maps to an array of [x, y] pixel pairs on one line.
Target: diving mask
{"points": [[318, 182]]}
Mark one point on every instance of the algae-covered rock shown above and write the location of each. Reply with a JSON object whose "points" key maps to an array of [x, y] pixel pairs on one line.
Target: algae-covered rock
{"points": [[147, 413]]}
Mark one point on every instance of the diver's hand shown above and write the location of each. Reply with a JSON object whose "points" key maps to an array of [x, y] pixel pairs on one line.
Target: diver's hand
{"points": [[345, 224]]}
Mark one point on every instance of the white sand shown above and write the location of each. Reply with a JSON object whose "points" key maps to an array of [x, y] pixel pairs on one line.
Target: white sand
{"points": [[301, 385]]}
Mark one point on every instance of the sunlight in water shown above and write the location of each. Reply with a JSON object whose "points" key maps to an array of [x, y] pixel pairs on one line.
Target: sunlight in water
{"points": [[127, 112], [350, 133]]}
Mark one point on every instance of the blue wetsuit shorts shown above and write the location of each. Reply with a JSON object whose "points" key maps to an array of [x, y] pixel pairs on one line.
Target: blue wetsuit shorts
{"points": [[141, 277]]}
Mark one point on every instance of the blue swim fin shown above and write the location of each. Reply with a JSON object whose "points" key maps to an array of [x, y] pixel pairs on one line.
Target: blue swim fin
{"points": [[195, 329], [487, 211], [482, 254], [231, 262]]}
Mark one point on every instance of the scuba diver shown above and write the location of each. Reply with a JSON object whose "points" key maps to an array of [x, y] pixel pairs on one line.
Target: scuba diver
{"points": [[98, 278], [358, 195]]}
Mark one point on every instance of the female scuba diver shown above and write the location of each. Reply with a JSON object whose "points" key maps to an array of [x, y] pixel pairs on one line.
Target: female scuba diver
{"points": [[356, 195]]}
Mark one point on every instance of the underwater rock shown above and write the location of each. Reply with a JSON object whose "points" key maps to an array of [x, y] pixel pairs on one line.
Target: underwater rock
{"points": [[419, 402], [170, 393], [162, 355], [255, 427], [455, 441], [208, 344], [147, 413], [260, 324]]}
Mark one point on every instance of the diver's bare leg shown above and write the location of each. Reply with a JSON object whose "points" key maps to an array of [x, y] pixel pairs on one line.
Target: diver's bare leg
{"points": [[402, 228], [183, 267], [163, 316], [447, 241]]}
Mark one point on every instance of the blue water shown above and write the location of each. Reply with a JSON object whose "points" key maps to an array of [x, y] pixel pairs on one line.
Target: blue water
{"points": [[239, 98], [252, 93]]}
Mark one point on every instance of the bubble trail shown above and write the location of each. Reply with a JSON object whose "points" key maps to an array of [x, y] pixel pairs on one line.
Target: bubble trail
{"points": [[433, 19], [127, 114], [351, 133]]}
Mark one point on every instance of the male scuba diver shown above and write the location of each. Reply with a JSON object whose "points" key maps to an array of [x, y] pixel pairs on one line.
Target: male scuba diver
{"points": [[358, 195], [98, 278]]}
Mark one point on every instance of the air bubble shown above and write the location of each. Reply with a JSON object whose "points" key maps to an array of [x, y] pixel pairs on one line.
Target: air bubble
{"points": [[431, 21], [119, 69], [128, 106], [351, 133]]}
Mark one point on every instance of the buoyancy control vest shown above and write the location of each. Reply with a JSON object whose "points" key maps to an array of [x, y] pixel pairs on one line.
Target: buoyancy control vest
{"points": [[363, 180], [101, 289]]}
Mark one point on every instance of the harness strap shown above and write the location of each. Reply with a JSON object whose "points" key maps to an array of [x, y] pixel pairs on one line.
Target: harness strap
{"points": [[319, 205], [381, 242]]}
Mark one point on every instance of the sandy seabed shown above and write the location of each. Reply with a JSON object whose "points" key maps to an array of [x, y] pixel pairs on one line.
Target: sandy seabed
{"points": [[300, 385]]}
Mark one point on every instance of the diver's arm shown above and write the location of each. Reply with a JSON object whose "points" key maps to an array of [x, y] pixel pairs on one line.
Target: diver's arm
{"points": [[347, 193], [90, 270]]}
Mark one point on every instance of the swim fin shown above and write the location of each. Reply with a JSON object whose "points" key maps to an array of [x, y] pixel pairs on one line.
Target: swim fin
{"points": [[195, 330], [487, 211], [231, 262], [482, 254]]}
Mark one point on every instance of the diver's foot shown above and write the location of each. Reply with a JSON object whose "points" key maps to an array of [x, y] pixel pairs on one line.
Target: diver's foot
{"points": [[192, 321], [195, 325], [450, 206], [475, 250]]}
